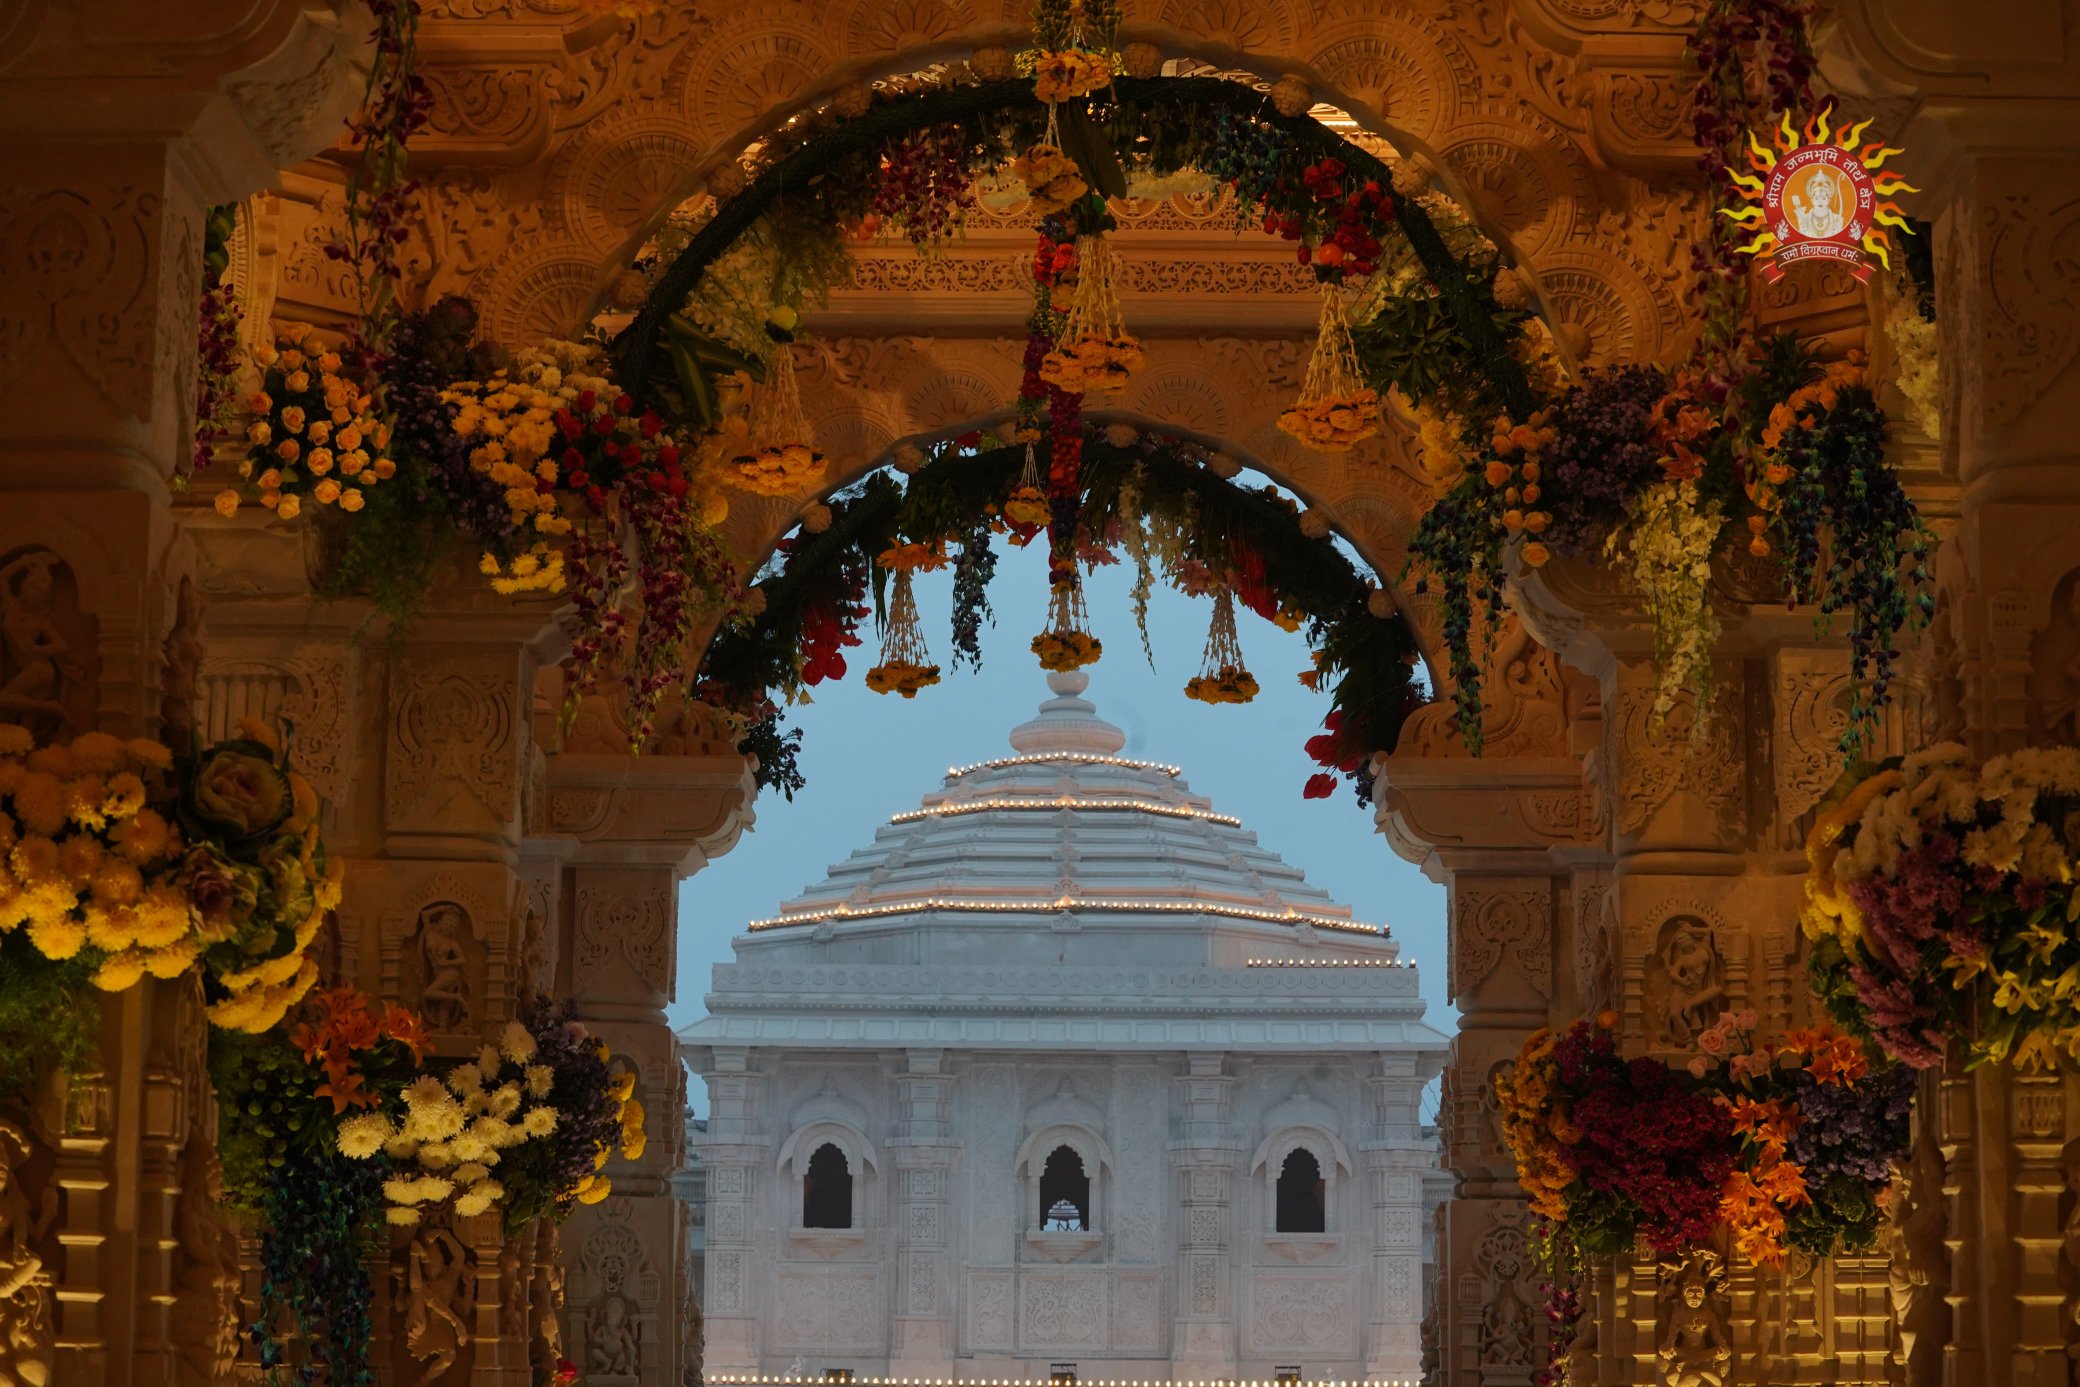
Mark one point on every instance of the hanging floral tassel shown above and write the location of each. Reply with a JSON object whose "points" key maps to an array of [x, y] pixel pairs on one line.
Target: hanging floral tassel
{"points": [[1095, 352], [1336, 408], [1067, 643], [1223, 678], [777, 459], [1027, 510], [905, 665]]}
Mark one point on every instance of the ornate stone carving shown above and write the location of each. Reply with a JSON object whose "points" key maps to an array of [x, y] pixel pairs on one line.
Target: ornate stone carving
{"points": [[47, 655], [82, 264], [1685, 982], [183, 652], [444, 994], [1694, 1347], [1491, 924], [1507, 1327], [1911, 1237], [451, 736], [1811, 713], [25, 1284], [440, 1289], [205, 1315], [2055, 665], [612, 1350], [2021, 304]]}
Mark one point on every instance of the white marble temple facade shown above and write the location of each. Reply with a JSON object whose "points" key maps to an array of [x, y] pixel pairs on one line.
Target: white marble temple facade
{"points": [[1065, 949]]}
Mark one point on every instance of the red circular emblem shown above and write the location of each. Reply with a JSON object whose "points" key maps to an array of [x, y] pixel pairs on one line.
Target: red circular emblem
{"points": [[1818, 205]]}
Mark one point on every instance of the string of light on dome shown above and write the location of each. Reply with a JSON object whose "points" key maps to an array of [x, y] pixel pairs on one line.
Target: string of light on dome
{"points": [[1056, 803], [1327, 963], [802, 1379], [1058, 905], [1041, 758]]}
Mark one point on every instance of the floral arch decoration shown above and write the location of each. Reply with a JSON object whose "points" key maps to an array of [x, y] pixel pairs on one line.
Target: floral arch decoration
{"points": [[578, 467]]}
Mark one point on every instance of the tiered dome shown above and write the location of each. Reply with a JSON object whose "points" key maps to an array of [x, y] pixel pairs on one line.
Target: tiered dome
{"points": [[1067, 827]]}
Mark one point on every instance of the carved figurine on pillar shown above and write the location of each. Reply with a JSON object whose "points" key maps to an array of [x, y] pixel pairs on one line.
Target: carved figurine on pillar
{"points": [[444, 1000], [25, 1328], [440, 1289], [1686, 983], [1912, 1240], [1695, 1349], [38, 665]]}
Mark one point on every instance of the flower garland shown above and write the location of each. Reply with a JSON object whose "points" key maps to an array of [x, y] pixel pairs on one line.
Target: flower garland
{"points": [[216, 347], [337, 1126], [1787, 1145], [1940, 902], [395, 105], [123, 863], [1152, 496], [1667, 548]]}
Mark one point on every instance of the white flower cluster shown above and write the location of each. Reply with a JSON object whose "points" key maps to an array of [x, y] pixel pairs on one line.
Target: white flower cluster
{"points": [[1938, 786], [1668, 548], [454, 1129]]}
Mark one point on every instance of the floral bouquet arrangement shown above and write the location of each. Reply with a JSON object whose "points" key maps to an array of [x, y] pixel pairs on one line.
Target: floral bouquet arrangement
{"points": [[1611, 1150], [120, 862], [315, 433], [1940, 902], [1820, 1128], [523, 1128]]}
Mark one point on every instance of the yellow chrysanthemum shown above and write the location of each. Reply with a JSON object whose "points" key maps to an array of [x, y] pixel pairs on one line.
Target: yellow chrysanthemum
{"points": [[121, 971]]}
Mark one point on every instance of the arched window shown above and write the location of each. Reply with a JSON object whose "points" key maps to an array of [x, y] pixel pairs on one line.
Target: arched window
{"points": [[1303, 1196], [1065, 1193], [827, 1190]]}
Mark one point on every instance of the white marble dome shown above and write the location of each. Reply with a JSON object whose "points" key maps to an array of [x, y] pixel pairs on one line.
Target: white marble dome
{"points": [[1064, 981]]}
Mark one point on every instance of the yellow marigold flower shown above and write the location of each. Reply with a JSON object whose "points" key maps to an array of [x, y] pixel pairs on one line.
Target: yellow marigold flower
{"points": [[120, 972], [145, 836], [34, 860], [96, 753], [40, 803], [599, 1189], [124, 796], [158, 927], [57, 939], [111, 930], [171, 961], [116, 882], [624, 1085]]}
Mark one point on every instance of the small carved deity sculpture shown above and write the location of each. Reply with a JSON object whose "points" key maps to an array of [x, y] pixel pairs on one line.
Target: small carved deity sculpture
{"points": [[25, 1332], [444, 1001], [37, 662], [612, 1350], [1695, 1349], [2062, 710], [441, 1289], [1506, 1333], [1687, 982], [545, 1300], [1911, 1237], [183, 651]]}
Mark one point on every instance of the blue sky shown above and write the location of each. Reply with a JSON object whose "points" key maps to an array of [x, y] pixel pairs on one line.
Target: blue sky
{"points": [[868, 756]]}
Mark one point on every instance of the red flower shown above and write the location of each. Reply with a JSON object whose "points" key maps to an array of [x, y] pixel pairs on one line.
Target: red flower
{"points": [[587, 402], [1320, 785]]}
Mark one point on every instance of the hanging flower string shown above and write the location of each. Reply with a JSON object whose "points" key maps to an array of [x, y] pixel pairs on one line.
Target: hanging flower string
{"points": [[1336, 409], [1222, 677], [1094, 352], [778, 458], [1067, 643], [905, 665], [397, 103]]}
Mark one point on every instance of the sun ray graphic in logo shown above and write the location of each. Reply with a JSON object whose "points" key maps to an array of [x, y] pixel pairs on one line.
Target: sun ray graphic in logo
{"points": [[1818, 193]]}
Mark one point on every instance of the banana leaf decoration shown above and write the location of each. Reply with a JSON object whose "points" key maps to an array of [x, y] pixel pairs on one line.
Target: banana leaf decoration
{"points": [[698, 362]]}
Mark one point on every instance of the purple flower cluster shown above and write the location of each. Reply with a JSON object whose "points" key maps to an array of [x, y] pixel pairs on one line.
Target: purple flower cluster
{"points": [[1855, 1130], [1604, 454], [588, 1116], [1922, 898], [430, 350]]}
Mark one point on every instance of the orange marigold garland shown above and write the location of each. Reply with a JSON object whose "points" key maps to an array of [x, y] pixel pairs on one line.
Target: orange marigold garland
{"points": [[778, 459], [1095, 352], [1336, 409], [1222, 677], [905, 665], [1067, 643]]}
